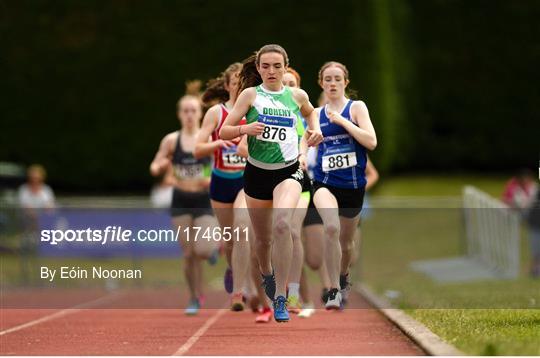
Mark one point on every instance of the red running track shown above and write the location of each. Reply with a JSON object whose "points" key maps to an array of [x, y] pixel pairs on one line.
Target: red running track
{"points": [[157, 331]]}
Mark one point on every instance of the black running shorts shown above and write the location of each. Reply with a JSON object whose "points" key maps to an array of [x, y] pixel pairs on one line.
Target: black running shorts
{"points": [[349, 201], [260, 183]]}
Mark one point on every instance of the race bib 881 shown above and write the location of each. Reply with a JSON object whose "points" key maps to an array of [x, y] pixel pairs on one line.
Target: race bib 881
{"points": [[339, 157]]}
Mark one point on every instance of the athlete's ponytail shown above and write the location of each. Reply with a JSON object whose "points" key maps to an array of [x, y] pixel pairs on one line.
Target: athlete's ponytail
{"points": [[193, 87], [250, 77], [215, 88]]}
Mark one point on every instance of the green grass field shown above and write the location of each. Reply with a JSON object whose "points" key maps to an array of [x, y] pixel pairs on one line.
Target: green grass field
{"points": [[486, 331], [438, 185], [479, 318]]}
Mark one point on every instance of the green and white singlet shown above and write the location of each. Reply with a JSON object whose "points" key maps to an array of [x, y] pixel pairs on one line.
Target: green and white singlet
{"points": [[277, 146]]}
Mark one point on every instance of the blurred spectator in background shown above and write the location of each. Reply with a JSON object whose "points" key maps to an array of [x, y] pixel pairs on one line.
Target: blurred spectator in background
{"points": [[533, 219], [521, 193], [520, 190], [161, 194], [35, 194]]}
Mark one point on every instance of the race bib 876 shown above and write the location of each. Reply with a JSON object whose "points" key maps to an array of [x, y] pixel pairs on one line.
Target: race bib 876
{"points": [[277, 129]]}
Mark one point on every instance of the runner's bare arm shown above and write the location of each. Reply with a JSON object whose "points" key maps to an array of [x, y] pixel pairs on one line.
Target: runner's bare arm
{"points": [[372, 175], [204, 148], [314, 134], [230, 128], [242, 149], [362, 129], [168, 177], [302, 156], [162, 159]]}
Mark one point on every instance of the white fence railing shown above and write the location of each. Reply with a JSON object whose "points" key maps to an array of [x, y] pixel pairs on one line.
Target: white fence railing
{"points": [[493, 232]]}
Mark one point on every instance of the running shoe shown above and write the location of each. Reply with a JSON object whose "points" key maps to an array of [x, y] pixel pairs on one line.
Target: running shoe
{"points": [[334, 299], [293, 304], [228, 280], [280, 309], [324, 295], [237, 302], [307, 311], [269, 285], [193, 307], [265, 316]]}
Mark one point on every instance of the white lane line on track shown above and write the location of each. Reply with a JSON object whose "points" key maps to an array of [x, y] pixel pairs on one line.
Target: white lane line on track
{"points": [[200, 332], [64, 312]]}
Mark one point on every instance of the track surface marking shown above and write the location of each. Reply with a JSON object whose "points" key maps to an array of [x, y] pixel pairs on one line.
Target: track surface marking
{"points": [[193, 339], [147, 331]]}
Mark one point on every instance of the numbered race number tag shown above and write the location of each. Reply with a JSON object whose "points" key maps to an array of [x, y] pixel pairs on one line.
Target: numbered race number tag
{"points": [[231, 159], [339, 157], [189, 171], [277, 129]]}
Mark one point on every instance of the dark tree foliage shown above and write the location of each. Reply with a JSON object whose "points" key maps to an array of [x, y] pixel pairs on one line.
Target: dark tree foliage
{"points": [[89, 88]]}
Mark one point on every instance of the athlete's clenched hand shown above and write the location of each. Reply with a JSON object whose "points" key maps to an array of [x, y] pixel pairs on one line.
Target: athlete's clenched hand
{"points": [[253, 129], [314, 137]]}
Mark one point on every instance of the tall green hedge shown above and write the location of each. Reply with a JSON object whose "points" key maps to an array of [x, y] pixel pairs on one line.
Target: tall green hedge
{"points": [[89, 88]]}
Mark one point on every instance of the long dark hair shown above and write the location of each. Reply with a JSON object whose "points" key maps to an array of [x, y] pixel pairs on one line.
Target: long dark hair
{"points": [[249, 76], [215, 88]]}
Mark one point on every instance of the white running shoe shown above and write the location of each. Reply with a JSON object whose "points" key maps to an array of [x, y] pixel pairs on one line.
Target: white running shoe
{"points": [[307, 311], [334, 299]]}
